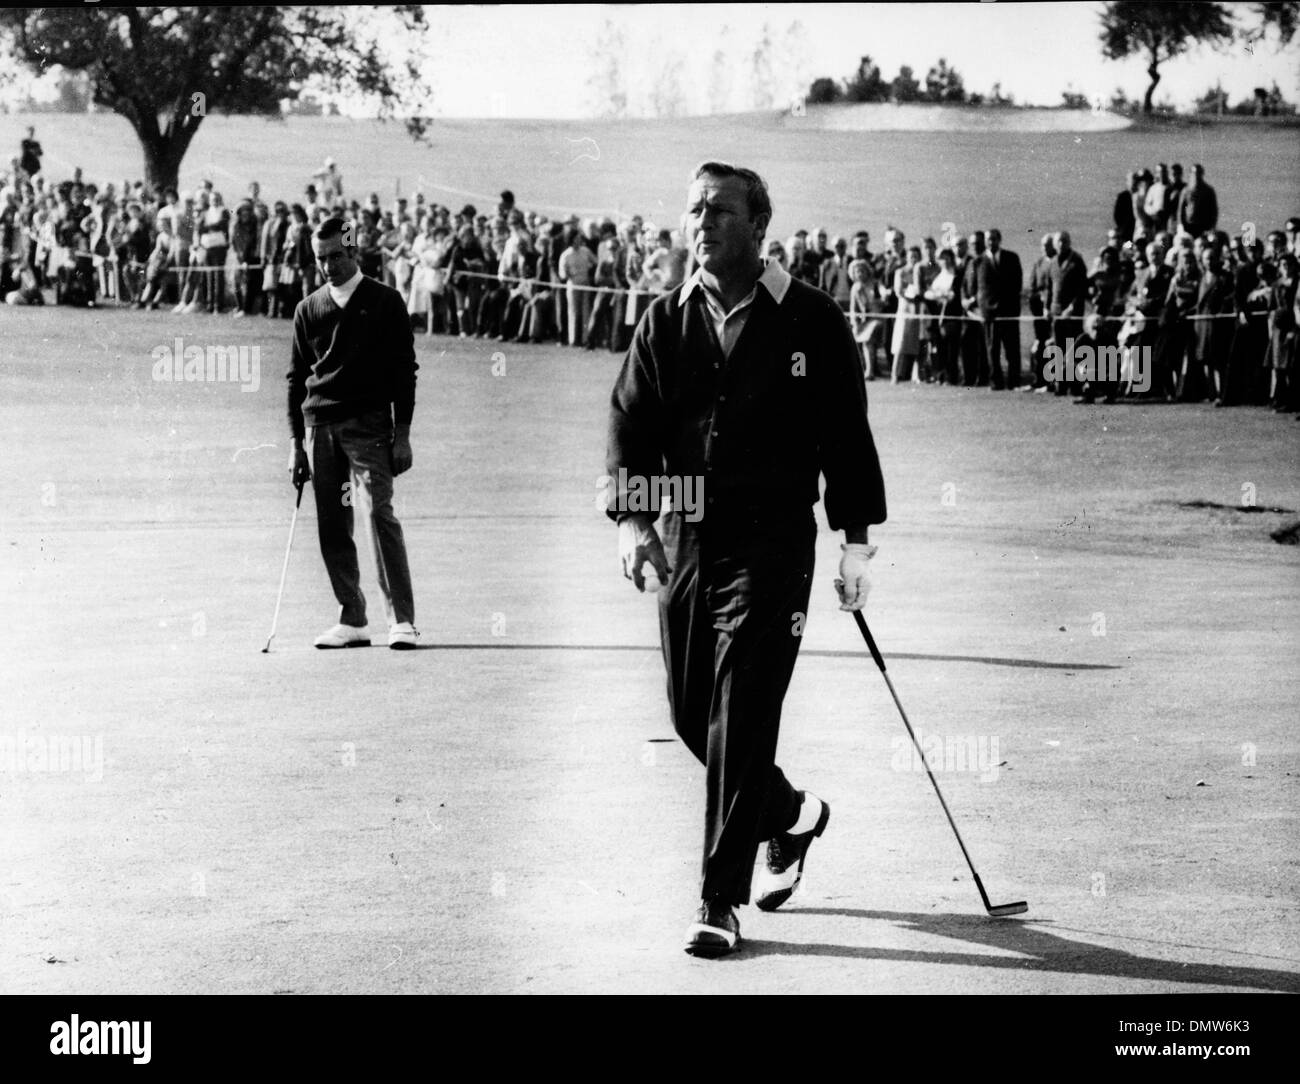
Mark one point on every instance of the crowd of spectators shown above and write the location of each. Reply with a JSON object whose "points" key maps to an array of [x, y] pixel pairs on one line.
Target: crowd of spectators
{"points": [[1216, 312]]}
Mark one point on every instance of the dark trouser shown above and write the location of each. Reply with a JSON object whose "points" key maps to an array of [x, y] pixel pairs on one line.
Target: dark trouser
{"points": [[1065, 328], [216, 259], [1002, 336], [600, 324], [974, 354], [1042, 336], [729, 620], [351, 464]]}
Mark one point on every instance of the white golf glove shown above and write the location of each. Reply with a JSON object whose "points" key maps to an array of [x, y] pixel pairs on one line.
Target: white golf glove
{"points": [[638, 543], [855, 580]]}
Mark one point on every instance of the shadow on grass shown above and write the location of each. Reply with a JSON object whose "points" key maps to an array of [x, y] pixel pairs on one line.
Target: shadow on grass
{"points": [[984, 660], [1046, 951]]}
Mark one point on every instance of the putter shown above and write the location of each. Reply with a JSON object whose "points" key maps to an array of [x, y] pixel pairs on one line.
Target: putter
{"points": [[285, 569], [1001, 910]]}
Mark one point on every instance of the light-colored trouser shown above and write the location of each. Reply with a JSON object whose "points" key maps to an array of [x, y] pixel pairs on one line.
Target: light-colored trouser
{"points": [[351, 463], [579, 312]]}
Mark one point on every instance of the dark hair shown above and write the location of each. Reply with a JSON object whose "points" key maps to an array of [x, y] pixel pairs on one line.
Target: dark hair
{"points": [[756, 194], [331, 227]]}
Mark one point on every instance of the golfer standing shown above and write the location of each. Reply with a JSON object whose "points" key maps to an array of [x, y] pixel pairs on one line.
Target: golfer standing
{"points": [[351, 398], [748, 383]]}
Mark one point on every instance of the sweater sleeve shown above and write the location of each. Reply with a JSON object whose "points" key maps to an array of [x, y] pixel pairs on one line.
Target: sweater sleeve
{"points": [[855, 487], [403, 361], [635, 443], [299, 368]]}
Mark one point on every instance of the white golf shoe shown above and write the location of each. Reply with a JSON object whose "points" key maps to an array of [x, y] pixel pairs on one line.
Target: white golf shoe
{"points": [[402, 636], [344, 636]]}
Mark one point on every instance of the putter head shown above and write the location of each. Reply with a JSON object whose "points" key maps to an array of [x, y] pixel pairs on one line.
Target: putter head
{"points": [[1005, 910]]}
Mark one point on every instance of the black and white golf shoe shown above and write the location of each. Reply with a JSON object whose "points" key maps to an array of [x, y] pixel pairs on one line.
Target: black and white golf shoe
{"points": [[715, 931], [785, 858]]}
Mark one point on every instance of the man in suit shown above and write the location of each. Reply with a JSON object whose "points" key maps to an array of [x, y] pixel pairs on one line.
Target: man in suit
{"points": [[977, 298], [748, 382], [1006, 280], [1039, 294], [1067, 277], [351, 399], [1198, 205]]}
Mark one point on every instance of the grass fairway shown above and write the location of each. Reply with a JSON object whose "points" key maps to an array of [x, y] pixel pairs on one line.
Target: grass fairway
{"points": [[501, 811]]}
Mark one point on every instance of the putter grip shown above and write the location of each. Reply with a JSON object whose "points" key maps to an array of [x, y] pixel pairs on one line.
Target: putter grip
{"points": [[871, 643]]}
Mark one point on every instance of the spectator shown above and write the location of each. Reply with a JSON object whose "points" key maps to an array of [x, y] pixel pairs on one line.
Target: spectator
{"points": [[1067, 297], [1198, 204], [30, 160], [577, 268]]}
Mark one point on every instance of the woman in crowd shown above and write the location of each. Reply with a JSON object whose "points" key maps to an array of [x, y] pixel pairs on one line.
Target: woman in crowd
{"points": [[907, 330], [864, 314], [927, 270], [538, 319], [214, 238], [294, 258], [1283, 320], [244, 249]]}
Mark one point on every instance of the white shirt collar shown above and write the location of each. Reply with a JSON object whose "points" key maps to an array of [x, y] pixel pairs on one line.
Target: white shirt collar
{"points": [[775, 279], [343, 294]]}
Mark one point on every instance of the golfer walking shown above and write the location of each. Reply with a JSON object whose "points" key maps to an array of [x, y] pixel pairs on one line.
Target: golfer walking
{"points": [[747, 385], [351, 398]]}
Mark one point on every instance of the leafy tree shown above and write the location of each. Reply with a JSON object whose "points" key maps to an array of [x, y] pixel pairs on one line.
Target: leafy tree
{"points": [[944, 84], [905, 88], [1282, 17], [824, 91], [163, 69], [1159, 32], [866, 84]]}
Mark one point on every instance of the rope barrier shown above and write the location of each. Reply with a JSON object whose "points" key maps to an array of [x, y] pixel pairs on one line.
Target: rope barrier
{"points": [[633, 292]]}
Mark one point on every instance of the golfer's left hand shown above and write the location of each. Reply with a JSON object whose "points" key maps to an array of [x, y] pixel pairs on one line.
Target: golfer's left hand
{"points": [[402, 456], [854, 582]]}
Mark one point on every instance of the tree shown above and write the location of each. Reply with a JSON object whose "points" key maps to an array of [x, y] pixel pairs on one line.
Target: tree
{"points": [[1159, 32], [1282, 17], [760, 70], [1072, 99], [666, 98], [164, 68], [866, 84], [905, 88], [720, 76], [824, 91], [943, 84], [607, 83]]}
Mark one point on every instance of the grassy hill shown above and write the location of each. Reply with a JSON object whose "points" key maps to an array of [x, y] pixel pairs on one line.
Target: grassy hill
{"points": [[1024, 182]]}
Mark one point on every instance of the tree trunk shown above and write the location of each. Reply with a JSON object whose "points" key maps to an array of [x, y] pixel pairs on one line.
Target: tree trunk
{"points": [[163, 154], [1154, 72]]}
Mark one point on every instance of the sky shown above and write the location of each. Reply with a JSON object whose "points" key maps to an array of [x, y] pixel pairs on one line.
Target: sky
{"points": [[538, 60], [511, 60]]}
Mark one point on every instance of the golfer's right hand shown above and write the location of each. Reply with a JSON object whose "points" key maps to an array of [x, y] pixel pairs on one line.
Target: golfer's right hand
{"points": [[638, 542], [299, 466]]}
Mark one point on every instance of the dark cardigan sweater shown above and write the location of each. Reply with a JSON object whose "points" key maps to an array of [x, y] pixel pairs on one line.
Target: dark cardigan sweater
{"points": [[347, 362], [759, 427]]}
